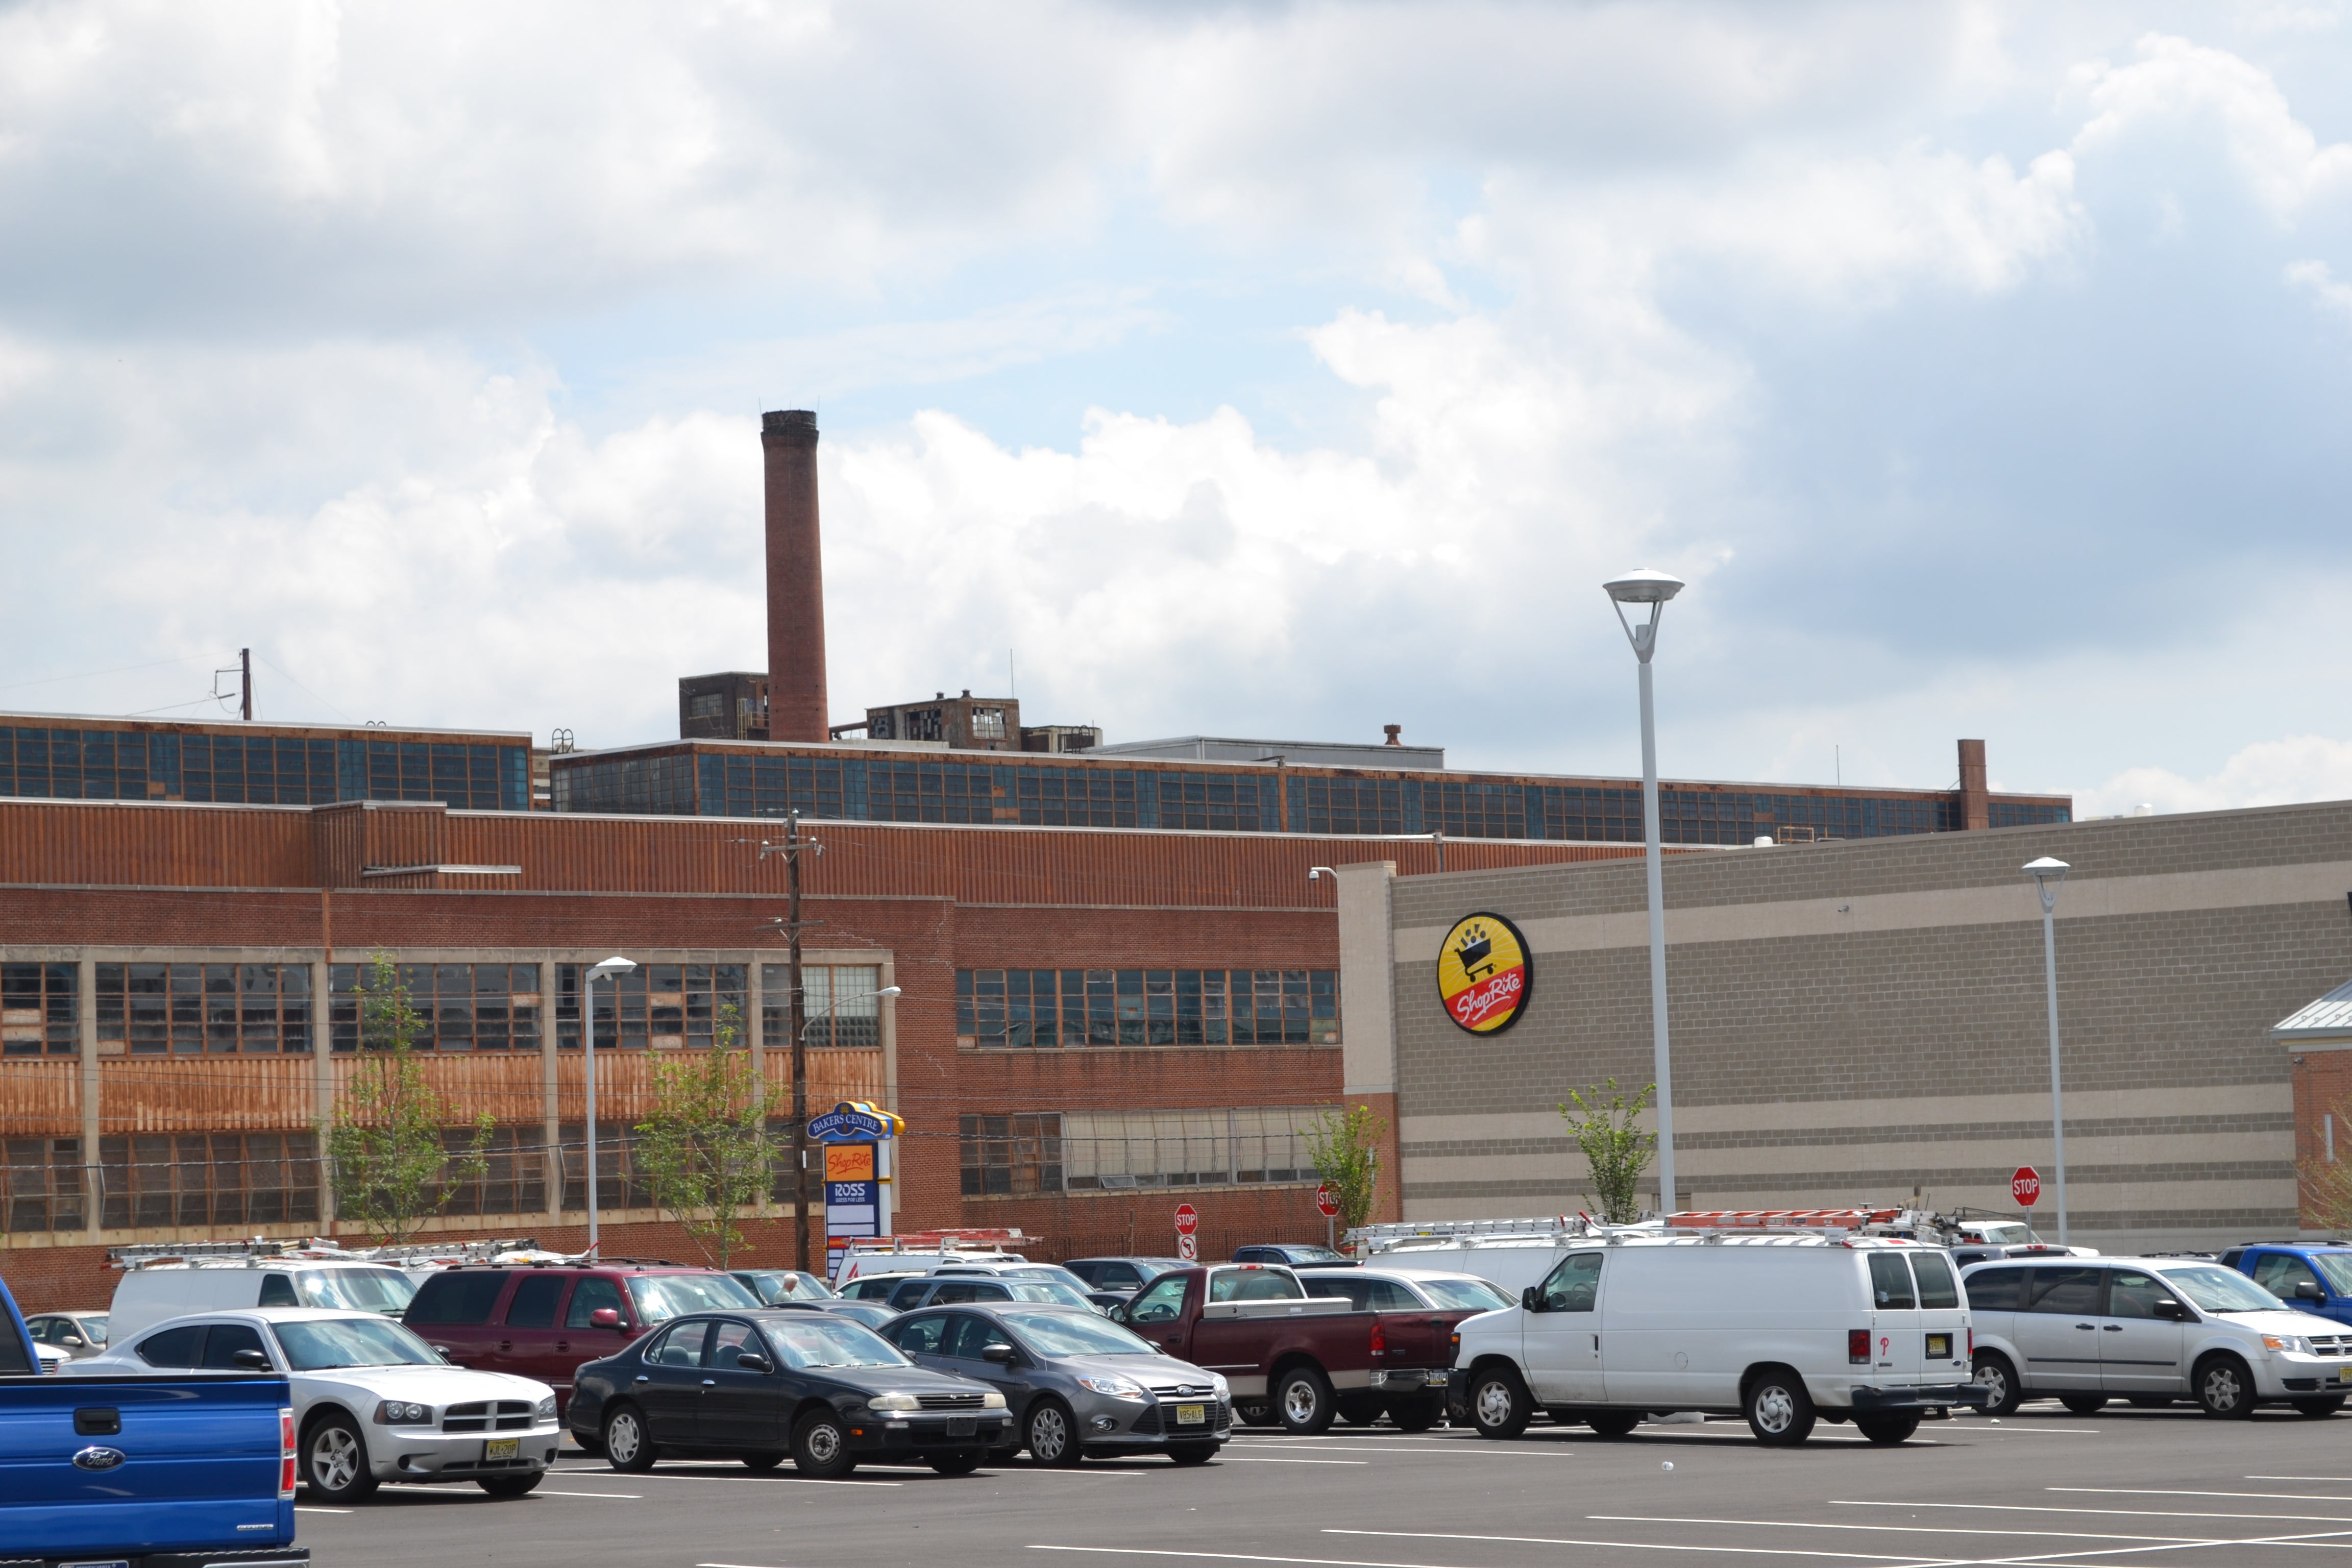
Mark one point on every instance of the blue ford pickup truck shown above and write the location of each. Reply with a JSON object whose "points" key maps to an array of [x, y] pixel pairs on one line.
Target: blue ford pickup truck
{"points": [[2310, 1277], [176, 1471]]}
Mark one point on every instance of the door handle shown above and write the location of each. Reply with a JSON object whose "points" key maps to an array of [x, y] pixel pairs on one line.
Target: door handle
{"points": [[561, 1345], [2086, 1328], [709, 1383], [506, 1345], [2113, 1328], [643, 1378]]}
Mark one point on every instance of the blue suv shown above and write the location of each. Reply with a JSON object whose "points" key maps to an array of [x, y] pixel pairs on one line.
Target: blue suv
{"points": [[2311, 1277]]}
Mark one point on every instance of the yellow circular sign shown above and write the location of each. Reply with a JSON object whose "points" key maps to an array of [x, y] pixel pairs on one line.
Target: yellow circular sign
{"points": [[1483, 973]]}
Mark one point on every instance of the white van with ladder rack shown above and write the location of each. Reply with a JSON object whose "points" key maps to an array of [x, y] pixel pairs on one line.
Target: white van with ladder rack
{"points": [[1784, 1317]]}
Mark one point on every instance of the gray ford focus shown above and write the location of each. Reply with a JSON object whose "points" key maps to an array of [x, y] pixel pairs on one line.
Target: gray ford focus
{"points": [[1075, 1385]]}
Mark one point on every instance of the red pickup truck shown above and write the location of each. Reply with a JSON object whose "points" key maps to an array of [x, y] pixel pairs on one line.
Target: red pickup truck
{"points": [[1292, 1359]]}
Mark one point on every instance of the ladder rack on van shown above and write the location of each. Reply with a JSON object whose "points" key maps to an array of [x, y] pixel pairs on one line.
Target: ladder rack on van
{"points": [[1382, 1238], [938, 1241], [257, 1250]]}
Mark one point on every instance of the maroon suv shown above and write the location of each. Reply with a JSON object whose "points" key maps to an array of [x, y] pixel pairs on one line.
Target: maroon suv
{"points": [[541, 1320]]}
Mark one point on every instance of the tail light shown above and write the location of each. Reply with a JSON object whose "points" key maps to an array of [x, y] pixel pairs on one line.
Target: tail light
{"points": [[1455, 1344], [1380, 1338], [1857, 1346], [1972, 1343], [285, 1453]]}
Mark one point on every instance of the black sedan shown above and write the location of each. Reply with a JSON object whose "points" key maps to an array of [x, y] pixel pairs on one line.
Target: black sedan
{"points": [[757, 1385]]}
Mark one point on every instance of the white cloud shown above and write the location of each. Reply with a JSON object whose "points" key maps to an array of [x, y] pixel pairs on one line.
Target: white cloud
{"points": [[2269, 772], [2316, 279]]}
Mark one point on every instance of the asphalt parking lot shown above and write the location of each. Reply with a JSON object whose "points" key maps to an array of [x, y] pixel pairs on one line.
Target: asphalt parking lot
{"points": [[2043, 1487]]}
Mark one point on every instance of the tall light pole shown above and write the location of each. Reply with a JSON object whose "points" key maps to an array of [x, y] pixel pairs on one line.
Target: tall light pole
{"points": [[1654, 589], [611, 969], [2047, 874]]}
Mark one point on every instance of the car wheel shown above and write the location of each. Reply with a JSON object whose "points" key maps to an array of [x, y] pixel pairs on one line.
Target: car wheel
{"points": [[1053, 1433], [1304, 1402], [2326, 1405], [962, 1464], [592, 1446], [626, 1446], [1998, 1380], [1887, 1429], [1359, 1410], [1254, 1415], [2225, 1388], [2151, 1401], [2083, 1404], [1779, 1411], [1500, 1406], [1415, 1415], [1194, 1453], [1613, 1423], [761, 1462], [335, 1460], [511, 1486], [820, 1446]]}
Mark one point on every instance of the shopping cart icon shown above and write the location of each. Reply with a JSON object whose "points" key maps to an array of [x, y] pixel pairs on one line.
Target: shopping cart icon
{"points": [[1477, 953]]}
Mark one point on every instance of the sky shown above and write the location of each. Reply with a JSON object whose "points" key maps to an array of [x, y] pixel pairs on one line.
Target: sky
{"points": [[1271, 370]]}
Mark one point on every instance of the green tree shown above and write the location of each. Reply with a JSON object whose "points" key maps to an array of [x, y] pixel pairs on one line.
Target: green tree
{"points": [[1616, 1151], [1344, 1147], [706, 1153], [391, 1156]]}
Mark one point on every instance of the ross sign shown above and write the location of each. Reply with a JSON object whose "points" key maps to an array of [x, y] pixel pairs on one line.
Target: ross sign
{"points": [[855, 1121], [2025, 1187], [851, 1209], [1483, 973], [1186, 1249], [1187, 1220], [1326, 1202]]}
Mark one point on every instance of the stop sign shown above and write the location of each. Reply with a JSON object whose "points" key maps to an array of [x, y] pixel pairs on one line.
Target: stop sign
{"points": [[2025, 1187], [1186, 1219], [1327, 1203]]}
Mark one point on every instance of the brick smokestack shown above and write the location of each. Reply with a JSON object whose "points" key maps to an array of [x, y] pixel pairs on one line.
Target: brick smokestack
{"points": [[1976, 804], [796, 698]]}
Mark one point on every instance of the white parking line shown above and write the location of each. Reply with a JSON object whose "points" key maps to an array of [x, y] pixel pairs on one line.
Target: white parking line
{"points": [[1236, 1557], [1467, 1450], [2345, 1479], [1270, 1459], [2168, 1491], [1874, 1528], [1649, 1546], [747, 1478], [2123, 1512], [547, 1491]]}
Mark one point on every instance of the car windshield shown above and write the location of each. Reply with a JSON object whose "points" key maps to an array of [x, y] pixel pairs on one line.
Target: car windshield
{"points": [[826, 1339], [1314, 1255], [2218, 1290], [775, 1285], [1250, 1283], [93, 1329], [1046, 1291], [1053, 1271], [873, 1314], [1069, 1334], [385, 1291], [661, 1296], [321, 1343], [2008, 1234], [1471, 1295], [2336, 1267]]}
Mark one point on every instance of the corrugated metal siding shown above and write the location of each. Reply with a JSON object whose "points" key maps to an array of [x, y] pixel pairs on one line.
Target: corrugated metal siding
{"points": [[110, 844], [40, 1098], [204, 1094]]}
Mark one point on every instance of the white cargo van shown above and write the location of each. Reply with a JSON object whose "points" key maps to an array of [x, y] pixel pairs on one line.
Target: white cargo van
{"points": [[1782, 1328], [151, 1291]]}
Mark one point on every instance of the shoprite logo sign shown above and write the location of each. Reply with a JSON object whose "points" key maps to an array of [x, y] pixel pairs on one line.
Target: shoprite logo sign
{"points": [[1483, 973]]}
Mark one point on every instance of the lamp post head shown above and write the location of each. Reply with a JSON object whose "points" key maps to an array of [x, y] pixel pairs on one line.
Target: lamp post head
{"points": [[1645, 587], [1316, 873], [2047, 873], [1642, 587], [887, 991], [611, 967]]}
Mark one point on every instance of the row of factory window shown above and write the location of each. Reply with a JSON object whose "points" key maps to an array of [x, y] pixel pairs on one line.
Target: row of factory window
{"points": [[224, 1180], [260, 769], [1032, 1155], [189, 1009], [1022, 1008], [1038, 794]]}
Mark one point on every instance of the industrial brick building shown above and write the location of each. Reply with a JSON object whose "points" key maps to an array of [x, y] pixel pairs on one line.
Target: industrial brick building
{"points": [[1866, 1022]]}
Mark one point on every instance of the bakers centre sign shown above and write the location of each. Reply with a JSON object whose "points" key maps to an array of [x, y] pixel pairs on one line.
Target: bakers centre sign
{"points": [[1483, 973]]}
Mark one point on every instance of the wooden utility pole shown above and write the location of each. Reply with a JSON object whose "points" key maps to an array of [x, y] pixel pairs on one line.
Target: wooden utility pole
{"points": [[796, 1019]]}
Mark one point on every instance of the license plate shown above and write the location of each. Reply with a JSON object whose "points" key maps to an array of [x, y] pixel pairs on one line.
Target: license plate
{"points": [[501, 1448], [98, 1563], [1939, 1347], [1192, 1415], [964, 1425], [2343, 1375]]}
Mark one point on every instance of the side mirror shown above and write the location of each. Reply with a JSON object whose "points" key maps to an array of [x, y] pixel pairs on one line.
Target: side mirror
{"points": [[752, 1361], [69, 1339], [1001, 1354], [1118, 1314], [605, 1317], [2171, 1311], [1530, 1302], [252, 1360], [2309, 1290]]}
